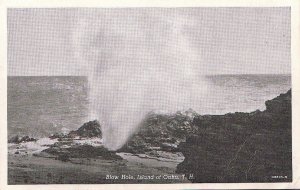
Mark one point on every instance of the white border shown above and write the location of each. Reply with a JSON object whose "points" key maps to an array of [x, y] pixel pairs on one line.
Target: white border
{"points": [[295, 23]]}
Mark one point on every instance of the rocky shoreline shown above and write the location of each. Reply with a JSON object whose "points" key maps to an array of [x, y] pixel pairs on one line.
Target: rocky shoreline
{"points": [[161, 132], [235, 147], [241, 147], [86, 142]]}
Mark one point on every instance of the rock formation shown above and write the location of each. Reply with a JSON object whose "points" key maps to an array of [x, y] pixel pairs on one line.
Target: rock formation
{"points": [[160, 132], [66, 149], [80, 151], [241, 147], [87, 130], [18, 139]]}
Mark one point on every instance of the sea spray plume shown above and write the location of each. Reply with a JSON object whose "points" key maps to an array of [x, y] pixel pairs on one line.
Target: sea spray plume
{"points": [[136, 66]]}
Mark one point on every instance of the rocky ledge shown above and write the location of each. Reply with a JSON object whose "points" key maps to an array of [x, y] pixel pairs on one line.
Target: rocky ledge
{"points": [[160, 132], [241, 147], [87, 130], [83, 143], [19, 139], [79, 144], [78, 151]]}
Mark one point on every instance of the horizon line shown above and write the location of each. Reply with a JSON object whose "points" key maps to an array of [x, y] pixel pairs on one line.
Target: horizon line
{"points": [[204, 75]]}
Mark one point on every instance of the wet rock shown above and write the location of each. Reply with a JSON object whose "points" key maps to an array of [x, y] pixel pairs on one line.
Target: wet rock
{"points": [[63, 157], [280, 104], [169, 147], [162, 131], [241, 147], [81, 151], [18, 139], [58, 136], [15, 139], [88, 130]]}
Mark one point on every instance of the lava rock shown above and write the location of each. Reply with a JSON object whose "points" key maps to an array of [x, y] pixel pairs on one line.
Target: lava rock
{"points": [[241, 147], [18, 139], [163, 131], [58, 136], [82, 151], [280, 104], [88, 130]]}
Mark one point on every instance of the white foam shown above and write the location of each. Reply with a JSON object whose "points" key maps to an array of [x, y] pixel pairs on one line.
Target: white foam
{"points": [[90, 141], [31, 147]]}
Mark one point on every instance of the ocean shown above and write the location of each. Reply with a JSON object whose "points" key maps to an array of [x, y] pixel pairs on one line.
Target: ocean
{"points": [[41, 105]]}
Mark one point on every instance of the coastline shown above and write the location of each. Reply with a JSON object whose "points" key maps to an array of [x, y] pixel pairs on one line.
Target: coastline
{"points": [[155, 149]]}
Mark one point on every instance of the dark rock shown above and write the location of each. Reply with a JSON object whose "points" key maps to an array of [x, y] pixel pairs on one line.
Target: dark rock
{"points": [[81, 151], [58, 136], [63, 157], [169, 147], [280, 104], [18, 139], [160, 130], [88, 130], [15, 139], [27, 139], [241, 147]]}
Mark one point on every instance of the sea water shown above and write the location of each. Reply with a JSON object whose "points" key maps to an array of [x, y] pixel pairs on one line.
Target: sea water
{"points": [[41, 105]]}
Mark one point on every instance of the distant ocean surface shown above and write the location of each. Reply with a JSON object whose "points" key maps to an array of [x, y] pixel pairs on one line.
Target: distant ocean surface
{"points": [[40, 106]]}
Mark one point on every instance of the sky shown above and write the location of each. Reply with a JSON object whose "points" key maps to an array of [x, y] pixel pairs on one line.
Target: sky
{"points": [[78, 41]]}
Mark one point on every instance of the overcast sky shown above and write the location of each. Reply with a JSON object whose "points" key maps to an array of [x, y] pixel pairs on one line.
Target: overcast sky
{"points": [[219, 40]]}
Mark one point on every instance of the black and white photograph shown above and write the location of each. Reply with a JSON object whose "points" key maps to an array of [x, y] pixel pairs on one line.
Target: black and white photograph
{"points": [[149, 95]]}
